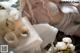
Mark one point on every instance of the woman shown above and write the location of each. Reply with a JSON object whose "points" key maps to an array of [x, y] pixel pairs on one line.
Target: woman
{"points": [[39, 11]]}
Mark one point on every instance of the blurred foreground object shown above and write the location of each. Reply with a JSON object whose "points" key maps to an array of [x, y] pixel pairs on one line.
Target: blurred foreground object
{"points": [[46, 32], [63, 47], [16, 31], [32, 43]]}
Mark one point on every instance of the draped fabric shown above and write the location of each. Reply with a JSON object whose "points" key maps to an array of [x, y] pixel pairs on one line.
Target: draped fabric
{"points": [[38, 11], [70, 24]]}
